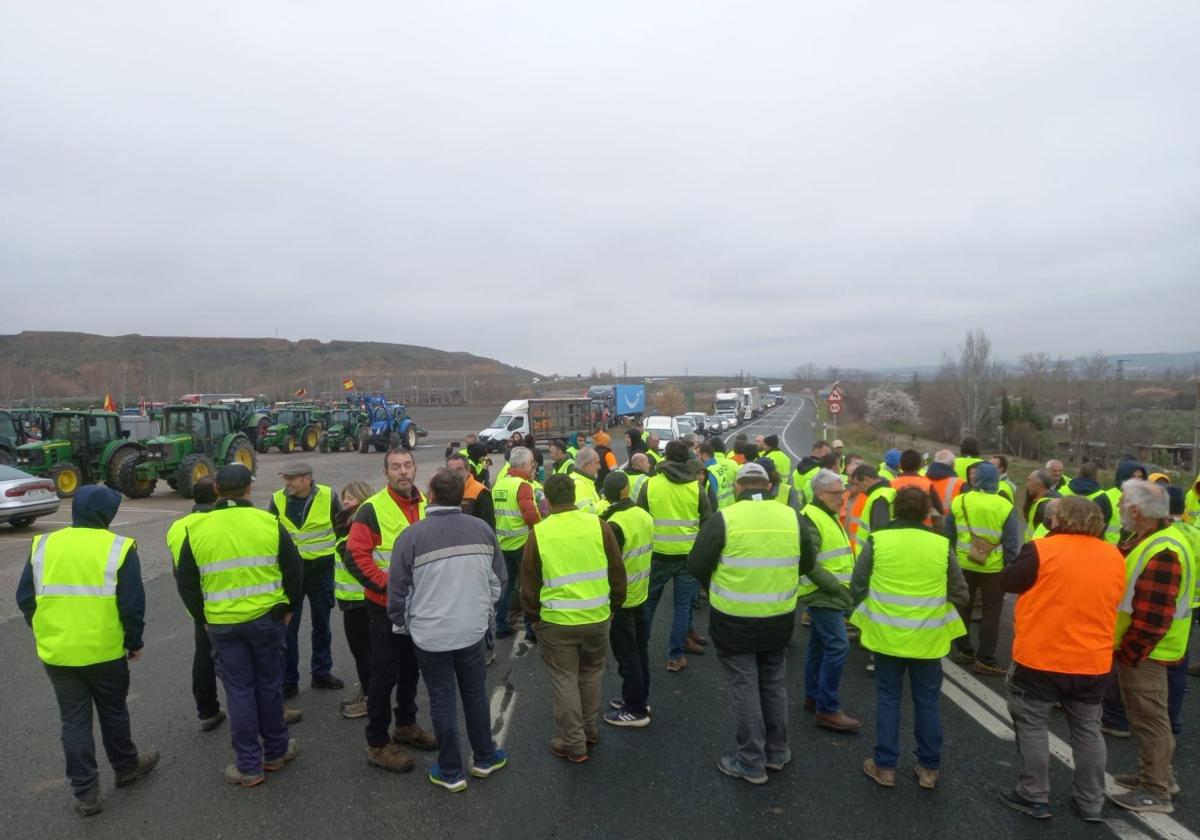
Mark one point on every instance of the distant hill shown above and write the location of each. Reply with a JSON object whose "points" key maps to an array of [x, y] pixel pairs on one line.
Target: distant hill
{"points": [[44, 366], [1136, 364]]}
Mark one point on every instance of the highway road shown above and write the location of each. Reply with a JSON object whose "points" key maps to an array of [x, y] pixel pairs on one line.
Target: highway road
{"points": [[660, 780]]}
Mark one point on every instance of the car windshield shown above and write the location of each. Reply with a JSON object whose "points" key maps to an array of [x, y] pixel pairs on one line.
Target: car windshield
{"points": [[685, 425], [8, 473], [501, 422], [663, 435], [727, 405]]}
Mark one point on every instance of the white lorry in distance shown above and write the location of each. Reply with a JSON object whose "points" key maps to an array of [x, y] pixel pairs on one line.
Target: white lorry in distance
{"points": [[728, 404]]}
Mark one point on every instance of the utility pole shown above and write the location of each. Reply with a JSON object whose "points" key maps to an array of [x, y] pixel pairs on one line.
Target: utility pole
{"points": [[1119, 429]]}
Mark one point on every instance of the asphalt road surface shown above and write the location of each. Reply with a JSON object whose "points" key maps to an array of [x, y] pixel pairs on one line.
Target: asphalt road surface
{"points": [[657, 781]]}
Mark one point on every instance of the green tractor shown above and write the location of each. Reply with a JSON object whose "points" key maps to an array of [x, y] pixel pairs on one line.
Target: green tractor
{"points": [[196, 441], [295, 425], [83, 447], [342, 427], [12, 435]]}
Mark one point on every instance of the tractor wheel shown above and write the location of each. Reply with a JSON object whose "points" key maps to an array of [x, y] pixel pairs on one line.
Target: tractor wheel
{"points": [[129, 483], [289, 445], [241, 452], [323, 442], [364, 442], [113, 470], [309, 438], [67, 479], [173, 484], [350, 443], [193, 468], [261, 446], [410, 438], [393, 440]]}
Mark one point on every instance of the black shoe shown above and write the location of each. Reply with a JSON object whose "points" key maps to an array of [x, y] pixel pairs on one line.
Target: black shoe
{"points": [[290, 691], [1086, 816], [328, 681], [1037, 810]]}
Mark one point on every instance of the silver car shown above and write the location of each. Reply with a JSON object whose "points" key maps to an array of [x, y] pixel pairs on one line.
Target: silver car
{"points": [[25, 497]]}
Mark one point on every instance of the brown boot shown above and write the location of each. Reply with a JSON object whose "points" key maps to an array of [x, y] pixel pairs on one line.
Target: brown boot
{"points": [[677, 664], [886, 776], [926, 778], [694, 648], [414, 736], [291, 716], [697, 638], [839, 721], [390, 757]]}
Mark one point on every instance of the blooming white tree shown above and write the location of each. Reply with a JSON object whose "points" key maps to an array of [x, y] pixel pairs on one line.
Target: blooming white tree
{"points": [[889, 406]]}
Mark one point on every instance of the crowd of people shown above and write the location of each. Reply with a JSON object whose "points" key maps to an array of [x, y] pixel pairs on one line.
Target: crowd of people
{"points": [[577, 550]]}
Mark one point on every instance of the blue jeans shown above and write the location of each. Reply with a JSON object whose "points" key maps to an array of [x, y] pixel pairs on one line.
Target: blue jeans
{"points": [[925, 680], [318, 587], [105, 686], [828, 648], [462, 670], [512, 563], [663, 568], [250, 664]]}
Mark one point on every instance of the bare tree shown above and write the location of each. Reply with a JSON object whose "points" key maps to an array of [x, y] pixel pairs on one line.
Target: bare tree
{"points": [[972, 377], [807, 375]]}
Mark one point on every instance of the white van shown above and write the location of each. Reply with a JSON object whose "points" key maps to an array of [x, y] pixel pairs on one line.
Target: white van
{"points": [[664, 427]]}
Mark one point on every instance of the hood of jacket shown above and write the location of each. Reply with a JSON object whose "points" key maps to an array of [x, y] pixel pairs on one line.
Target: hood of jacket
{"points": [[807, 463], [1081, 486], [94, 506], [938, 470], [1126, 467], [680, 473], [987, 478]]}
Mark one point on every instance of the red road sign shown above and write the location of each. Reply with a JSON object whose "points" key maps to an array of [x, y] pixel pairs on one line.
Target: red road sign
{"points": [[835, 408], [835, 395]]}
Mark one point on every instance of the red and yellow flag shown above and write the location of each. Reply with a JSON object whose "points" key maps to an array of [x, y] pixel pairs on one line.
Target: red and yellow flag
{"points": [[347, 384], [109, 405], [301, 392]]}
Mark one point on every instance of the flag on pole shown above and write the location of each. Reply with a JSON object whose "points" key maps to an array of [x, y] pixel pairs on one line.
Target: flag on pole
{"points": [[347, 384], [109, 405], [301, 392]]}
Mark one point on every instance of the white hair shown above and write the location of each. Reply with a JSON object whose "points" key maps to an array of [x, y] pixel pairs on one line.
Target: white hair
{"points": [[585, 456], [1151, 500], [520, 457], [1054, 461], [826, 480], [944, 456]]}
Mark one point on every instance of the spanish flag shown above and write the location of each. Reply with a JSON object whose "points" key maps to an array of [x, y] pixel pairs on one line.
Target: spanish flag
{"points": [[301, 392], [109, 405], [347, 384]]}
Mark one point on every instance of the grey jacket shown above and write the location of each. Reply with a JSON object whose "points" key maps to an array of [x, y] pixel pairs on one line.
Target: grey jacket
{"points": [[447, 571]]}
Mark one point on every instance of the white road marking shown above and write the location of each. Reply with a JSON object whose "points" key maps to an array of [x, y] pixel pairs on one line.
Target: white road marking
{"points": [[1162, 825], [978, 712], [502, 712], [782, 433]]}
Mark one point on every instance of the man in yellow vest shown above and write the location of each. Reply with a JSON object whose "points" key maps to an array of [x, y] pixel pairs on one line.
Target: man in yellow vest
{"points": [[561, 461], [584, 473], [633, 529], [516, 514], [394, 669], [572, 578], [1153, 627], [1191, 504], [1061, 480], [984, 528], [204, 674], [783, 464], [638, 472], [1087, 484], [81, 592], [754, 556], [239, 569], [968, 457], [906, 582], [307, 511], [678, 503], [1039, 493]]}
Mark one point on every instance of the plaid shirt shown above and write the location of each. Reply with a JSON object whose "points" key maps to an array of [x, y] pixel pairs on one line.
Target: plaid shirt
{"points": [[1154, 597]]}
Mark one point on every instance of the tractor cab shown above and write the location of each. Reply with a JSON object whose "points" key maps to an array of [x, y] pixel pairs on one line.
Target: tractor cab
{"points": [[196, 440], [81, 447]]}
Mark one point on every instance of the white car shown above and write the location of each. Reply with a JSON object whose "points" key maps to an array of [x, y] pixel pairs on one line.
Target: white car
{"points": [[665, 428], [25, 497]]}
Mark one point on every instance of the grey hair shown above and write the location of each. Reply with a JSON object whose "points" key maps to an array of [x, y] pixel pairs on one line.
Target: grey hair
{"points": [[1151, 500], [826, 480], [1044, 477], [944, 456], [690, 439], [585, 456], [1053, 461], [520, 457]]}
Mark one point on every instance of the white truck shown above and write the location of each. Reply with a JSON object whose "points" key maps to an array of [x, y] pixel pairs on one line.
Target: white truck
{"points": [[728, 404], [751, 403], [546, 418]]}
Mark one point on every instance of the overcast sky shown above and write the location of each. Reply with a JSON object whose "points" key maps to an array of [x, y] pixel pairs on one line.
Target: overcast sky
{"points": [[563, 185]]}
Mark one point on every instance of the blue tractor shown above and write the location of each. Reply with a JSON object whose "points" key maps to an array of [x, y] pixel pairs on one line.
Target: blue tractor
{"points": [[389, 425]]}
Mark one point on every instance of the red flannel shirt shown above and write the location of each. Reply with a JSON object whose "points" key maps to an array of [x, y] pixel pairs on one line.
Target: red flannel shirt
{"points": [[1154, 597]]}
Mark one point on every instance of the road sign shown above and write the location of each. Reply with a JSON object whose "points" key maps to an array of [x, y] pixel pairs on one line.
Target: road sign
{"points": [[835, 408], [835, 395]]}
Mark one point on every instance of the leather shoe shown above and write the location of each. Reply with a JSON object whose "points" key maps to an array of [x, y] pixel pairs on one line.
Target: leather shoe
{"points": [[414, 736], [886, 776], [838, 721], [327, 681], [693, 648], [695, 637]]}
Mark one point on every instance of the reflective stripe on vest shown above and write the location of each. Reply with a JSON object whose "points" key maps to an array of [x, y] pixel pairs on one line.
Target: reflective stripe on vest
{"points": [[314, 538], [345, 586], [834, 553], [863, 531], [76, 622], [391, 521], [236, 549], [724, 489], [1172, 646], [586, 497], [676, 512], [757, 575], [906, 612], [637, 528], [986, 513], [574, 568], [510, 526]]}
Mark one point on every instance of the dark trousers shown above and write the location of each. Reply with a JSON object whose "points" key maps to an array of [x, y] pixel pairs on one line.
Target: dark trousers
{"points": [[663, 569], [104, 685], [358, 637], [993, 606], [318, 588], [393, 665], [250, 664], [464, 670], [512, 562], [204, 675], [758, 688], [629, 636], [925, 680]]}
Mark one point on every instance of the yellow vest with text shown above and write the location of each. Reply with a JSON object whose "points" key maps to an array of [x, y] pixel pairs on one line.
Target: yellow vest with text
{"points": [[724, 488], [676, 512], [906, 613], [76, 622], [757, 574], [236, 550], [834, 554], [314, 537], [638, 530], [1173, 646], [574, 568]]}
